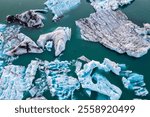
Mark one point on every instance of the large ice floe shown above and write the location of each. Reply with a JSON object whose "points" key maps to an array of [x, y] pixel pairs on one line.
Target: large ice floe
{"points": [[60, 7], [58, 38], [109, 4], [31, 18], [12, 42], [113, 30]]}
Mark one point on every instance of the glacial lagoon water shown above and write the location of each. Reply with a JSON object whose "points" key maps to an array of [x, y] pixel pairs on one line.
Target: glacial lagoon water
{"points": [[138, 12]]}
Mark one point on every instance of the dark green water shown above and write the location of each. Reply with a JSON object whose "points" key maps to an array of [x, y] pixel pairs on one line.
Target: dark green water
{"points": [[138, 12]]}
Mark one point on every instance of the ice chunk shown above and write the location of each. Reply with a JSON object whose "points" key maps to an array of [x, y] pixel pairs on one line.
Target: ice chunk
{"points": [[49, 45], [109, 4], [60, 84], [30, 18], [63, 86], [60, 7], [15, 43], [59, 37], [135, 82], [113, 30], [101, 84]]}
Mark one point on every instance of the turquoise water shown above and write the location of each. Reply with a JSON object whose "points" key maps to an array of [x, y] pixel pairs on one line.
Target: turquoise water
{"points": [[138, 12]]}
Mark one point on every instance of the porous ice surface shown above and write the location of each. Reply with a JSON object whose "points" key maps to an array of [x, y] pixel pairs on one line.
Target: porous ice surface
{"points": [[60, 7]]}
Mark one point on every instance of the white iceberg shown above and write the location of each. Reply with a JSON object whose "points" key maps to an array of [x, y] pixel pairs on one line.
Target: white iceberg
{"points": [[59, 37], [60, 7]]}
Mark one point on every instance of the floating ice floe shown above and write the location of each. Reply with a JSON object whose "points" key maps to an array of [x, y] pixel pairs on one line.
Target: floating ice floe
{"points": [[86, 77], [135, 82], [59, 37], [109, 4], [113, 30], [12, 42], [60, 7], [31, 18]]}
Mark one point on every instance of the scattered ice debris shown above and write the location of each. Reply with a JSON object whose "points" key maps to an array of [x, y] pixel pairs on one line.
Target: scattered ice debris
{"points": [[12, 42], [54, 77], [31, 18], [113, 30], [59, 37], [109, 4], [60, 7], [135, 82]]}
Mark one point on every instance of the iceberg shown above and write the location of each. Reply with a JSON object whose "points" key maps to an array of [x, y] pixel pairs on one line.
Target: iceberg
{"points": [[59, 7], [109, 4], [101, 84], [31, 18], [12, 42], [135, 82], [113, 30], [59, 37]]}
